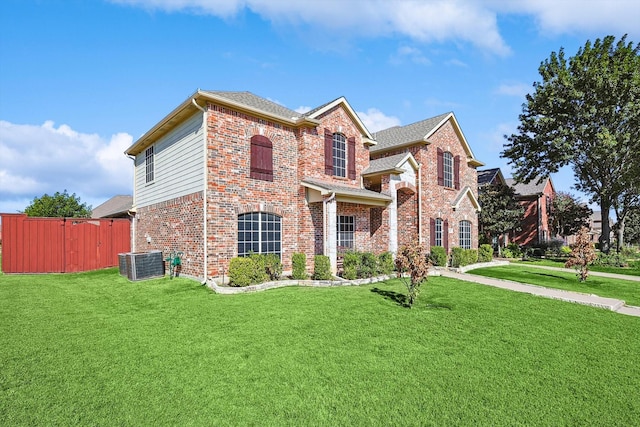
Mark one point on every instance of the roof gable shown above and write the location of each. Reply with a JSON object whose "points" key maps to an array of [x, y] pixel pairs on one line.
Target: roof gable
{"points": [[342, 101], [466, 192], [392, 164], [531, 188], [490, 176]]}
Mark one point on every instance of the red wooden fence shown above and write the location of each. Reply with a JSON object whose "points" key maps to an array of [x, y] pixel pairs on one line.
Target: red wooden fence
{"points": [[62, 245]]}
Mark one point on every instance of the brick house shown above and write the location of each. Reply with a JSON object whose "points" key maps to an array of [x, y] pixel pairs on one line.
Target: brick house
{"points": [[229, 173], [537, 201]]}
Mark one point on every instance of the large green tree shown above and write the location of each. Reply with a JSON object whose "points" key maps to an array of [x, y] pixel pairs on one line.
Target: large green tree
{"points": [[500, 211], [60, 205], [568, 215], [585, 113]]}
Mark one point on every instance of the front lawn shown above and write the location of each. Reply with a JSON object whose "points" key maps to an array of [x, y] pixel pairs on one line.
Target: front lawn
{"points": [[632, 270], [626, 290], [95, 349]]}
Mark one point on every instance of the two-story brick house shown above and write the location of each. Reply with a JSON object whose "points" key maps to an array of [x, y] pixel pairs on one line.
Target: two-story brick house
{"points": [[536, 199], [229, 173]]}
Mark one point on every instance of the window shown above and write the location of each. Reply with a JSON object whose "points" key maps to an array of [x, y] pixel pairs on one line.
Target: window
{"points": [[261, 158], [339, 155], [259, 232], [448, 169], [465, 234], [438, 232], [345, 231], [148, 162]]}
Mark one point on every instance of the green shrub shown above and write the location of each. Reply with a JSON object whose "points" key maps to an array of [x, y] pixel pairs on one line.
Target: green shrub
{"points": [[565, 250], [515, 250], [385, 262], [244, 271], [461, 257], [555, 246], [438, 256], [321, 267], [272, 266], [261, 265], [506, 253], [471, 256], [351, 262], [610, 260], [299, 263], [485, 253], [369, 265]]}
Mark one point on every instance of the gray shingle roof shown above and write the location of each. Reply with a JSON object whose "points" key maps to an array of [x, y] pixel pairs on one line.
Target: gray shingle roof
{"points": [[345, 190], [255, 101], [384, 164], [400, 135], [527, 189], [487, 176], [115, 206]]}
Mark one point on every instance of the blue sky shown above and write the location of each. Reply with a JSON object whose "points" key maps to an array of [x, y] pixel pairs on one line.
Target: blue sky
{"points": [[80, 80]]}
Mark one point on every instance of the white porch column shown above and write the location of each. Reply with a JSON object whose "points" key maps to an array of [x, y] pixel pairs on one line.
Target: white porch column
{"points": [[331, 248], [393, 218]]}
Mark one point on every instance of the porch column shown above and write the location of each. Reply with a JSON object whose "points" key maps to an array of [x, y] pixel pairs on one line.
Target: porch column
{"points": [[331, 243], [393, 218]]}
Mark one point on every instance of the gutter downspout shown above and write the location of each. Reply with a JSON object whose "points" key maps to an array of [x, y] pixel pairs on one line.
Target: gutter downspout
{"points": [[324, 220], [420, 204], [204, 189], [133, 217]]}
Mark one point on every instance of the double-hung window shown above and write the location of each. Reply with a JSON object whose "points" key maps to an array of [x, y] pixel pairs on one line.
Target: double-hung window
{"points": [[447, 164], [438, 232], [260, 233], [346, 227], [448, 167], [148, 163], [465, 234], [339, 155]]}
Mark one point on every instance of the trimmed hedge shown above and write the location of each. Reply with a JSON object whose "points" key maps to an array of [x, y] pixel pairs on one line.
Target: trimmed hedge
{"points": [[299, 262], [245, 271], [485, 253], [438, 256], [461, 257], [321, 268]]}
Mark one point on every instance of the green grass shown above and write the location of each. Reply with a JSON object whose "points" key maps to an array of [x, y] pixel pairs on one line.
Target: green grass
{"points": [[632, 270], [625, 290], [95, 349]]}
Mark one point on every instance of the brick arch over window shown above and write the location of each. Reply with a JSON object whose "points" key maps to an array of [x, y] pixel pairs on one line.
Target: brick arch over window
{"points": [[259, 207], [406, 187]]}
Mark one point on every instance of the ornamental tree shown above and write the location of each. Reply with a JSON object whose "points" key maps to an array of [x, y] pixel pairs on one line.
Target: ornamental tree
{"points": [[582, 254], [585, 112], [500, 212], [60, 205], [412, 259]]}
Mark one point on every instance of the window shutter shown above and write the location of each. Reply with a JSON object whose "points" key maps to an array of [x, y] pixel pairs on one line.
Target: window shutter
{"points": [[351, 157], [432, 224], [328, 152], [440, 162], [261, 158], [445, 235], [456, 172]]}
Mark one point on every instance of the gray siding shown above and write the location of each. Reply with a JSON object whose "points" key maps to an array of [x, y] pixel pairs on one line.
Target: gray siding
{"points": [[178, 164]]}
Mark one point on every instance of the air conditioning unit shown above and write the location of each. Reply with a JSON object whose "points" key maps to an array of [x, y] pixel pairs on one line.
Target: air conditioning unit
{"points": [[141, 265]]}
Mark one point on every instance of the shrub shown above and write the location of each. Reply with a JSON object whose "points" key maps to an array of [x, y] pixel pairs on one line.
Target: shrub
{"points": [[506, 253], [582, 254], [272, 266], [299, 263], [471, 256], [369, 265], [565, 250], [412, 259], [555, 246], [610, 260], [385, 263], [243, 271], [321, 267], [515, 250], [457, 257], [485, 253], [351, 262], [438, 256], [261, 266]]}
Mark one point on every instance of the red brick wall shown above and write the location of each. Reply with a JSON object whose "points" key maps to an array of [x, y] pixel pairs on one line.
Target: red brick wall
{"points": [[407, 217], [436, 200], [174, 225]]}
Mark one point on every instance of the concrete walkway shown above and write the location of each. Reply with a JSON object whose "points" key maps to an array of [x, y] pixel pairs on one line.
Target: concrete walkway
{"points": [[575, 297]]}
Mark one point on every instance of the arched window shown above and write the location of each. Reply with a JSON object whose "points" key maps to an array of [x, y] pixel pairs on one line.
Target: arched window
{"points": [[447, 164], [465, 234], [260, 233], [438, 232], [339, 155]]}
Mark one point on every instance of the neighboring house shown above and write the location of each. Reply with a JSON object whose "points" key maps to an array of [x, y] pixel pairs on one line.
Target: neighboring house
{"points": [[595, 226], [115, 207], [230, 173], [537, 202]]}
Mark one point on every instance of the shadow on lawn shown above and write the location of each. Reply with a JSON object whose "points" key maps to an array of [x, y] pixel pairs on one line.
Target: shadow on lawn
{"points": [[550, 275], [400, 299]]}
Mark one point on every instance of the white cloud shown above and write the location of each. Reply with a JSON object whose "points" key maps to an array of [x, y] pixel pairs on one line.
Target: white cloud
{"points": [[517, 89], [39, 159], [302, 109], [412, 54], [376, 120], [456, 63]]}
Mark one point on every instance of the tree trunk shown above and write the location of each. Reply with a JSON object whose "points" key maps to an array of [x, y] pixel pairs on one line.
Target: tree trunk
{"points": [[605, 236], [620, 234]]}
